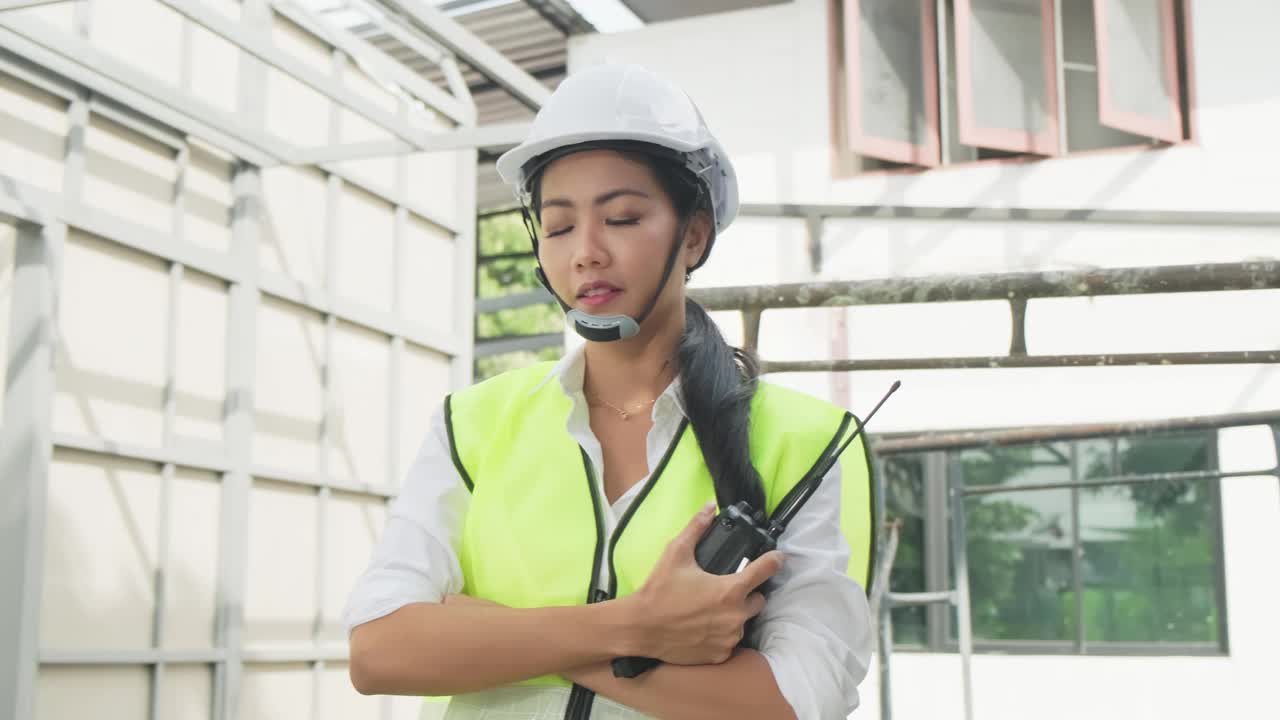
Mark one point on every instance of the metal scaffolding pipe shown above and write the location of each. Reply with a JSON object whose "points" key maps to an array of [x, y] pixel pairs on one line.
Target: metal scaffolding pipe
{"points": [[1118, 480], [1026, 361], [998, 286], [889, 445], [1097, 216]]}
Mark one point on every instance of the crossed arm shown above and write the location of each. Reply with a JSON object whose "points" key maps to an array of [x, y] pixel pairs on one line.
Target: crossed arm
{"points": [[682, 615], [451, 648]]}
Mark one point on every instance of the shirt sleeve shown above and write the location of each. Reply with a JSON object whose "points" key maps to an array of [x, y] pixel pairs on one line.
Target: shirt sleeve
{"points": [[815, 630], [416, 559]]}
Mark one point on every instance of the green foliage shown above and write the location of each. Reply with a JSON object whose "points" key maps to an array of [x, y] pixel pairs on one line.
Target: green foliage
{"points": [[528, 320], [500, 235], [1148, 551], [1008, 600], [904, 500], [487, 367], [505, 276]]}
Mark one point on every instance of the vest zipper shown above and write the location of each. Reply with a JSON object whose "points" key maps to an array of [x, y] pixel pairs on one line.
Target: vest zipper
{"points": [[635, 504], [580, 698]]}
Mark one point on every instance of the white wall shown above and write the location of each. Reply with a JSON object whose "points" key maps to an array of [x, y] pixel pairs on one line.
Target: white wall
{"points": [[760, 78], [107, 536]]}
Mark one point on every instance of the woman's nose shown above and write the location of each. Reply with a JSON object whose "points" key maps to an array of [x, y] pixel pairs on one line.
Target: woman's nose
{"points": [[590, 250]]}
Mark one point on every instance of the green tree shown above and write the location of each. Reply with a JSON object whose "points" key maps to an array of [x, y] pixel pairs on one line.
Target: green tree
{"points": [[1006, 602], [1148, 558], [1156, 580], [505, 266]]}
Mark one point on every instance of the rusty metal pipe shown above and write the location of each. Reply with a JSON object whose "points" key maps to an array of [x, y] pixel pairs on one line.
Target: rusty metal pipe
{"points": [[1243, 357], [1263, 275]]}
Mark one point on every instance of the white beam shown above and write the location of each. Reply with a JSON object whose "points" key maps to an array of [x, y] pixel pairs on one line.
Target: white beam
{"points": [[262, 48], [453, 75], [474, 52], [464, 276], [91, 68], [25, 203], [396, 28], [377, 62], [461, 139], [26, 448], [24, 4]]}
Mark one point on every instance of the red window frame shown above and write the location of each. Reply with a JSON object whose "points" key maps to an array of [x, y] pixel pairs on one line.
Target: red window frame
{"points": [[928, 154], [1047, 141], [1168, 128]]}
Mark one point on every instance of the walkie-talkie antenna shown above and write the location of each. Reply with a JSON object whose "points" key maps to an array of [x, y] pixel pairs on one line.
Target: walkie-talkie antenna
{"points": [[785, 514]]}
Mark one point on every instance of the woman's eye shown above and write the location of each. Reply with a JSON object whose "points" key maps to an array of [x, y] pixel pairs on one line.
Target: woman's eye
{"points": [[622, 221], [559, 231]]}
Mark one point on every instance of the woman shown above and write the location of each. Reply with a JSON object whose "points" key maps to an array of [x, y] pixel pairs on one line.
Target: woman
{"points": [[548, 523]]}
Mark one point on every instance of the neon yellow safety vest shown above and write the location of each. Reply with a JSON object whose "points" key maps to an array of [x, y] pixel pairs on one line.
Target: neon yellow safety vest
{"points": [[534, 533]]}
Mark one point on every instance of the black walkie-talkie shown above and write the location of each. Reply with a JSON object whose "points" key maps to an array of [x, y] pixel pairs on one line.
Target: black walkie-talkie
{"points": [[741, 534]]}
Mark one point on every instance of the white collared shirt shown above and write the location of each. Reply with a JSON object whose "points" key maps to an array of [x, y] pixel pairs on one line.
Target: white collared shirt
{"points": [[815, 630]]}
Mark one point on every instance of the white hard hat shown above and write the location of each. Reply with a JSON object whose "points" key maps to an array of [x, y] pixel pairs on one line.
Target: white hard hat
{"points": [[627, 103]]}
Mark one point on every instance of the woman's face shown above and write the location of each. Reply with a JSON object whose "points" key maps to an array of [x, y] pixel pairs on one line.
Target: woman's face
{"points": [[607, 228]]}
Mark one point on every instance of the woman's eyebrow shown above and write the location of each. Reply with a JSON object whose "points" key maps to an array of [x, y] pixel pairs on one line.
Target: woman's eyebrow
{"points": [[600, 199]]}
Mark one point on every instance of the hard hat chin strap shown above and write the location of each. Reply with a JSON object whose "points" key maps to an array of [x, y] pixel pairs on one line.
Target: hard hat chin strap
{"points": [[607, 328]]}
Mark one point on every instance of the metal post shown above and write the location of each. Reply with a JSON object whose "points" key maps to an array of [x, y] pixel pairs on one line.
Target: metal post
{"points": [[1018, 316], [888, 549], [400, 239], [751, 329], [944, 83], [1275, 434], [813, 229], [168, 470], [243, 298], [323, 496], [464, 257], [937, 567], [1077, 548], [885, 646], [960, 561], [330, 412], [242, 304], [1061, 72], [26, 448], [882, 603]]}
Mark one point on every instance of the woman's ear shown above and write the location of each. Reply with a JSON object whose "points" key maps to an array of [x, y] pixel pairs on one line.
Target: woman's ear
{"points": [[696, 237]]}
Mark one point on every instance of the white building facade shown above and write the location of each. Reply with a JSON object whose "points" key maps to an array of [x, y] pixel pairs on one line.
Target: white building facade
{"points": [[775, 86]]}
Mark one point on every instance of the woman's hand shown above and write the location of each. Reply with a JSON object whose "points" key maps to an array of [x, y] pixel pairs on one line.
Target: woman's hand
{"points": [[687, 616]]}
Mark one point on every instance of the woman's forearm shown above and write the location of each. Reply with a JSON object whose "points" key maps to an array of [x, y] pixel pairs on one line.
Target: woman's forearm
{"points": [[741, 687], [446, 649]]}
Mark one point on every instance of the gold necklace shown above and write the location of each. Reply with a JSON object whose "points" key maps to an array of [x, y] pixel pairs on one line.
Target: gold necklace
{"points": [[622, 412]]}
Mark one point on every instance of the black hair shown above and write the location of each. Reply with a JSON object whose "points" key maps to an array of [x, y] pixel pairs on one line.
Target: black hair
{"points": [[717, 380]]}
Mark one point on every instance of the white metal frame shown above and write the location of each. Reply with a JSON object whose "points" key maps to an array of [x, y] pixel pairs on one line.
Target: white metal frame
{"points": [[92, 82], [76, 59]]}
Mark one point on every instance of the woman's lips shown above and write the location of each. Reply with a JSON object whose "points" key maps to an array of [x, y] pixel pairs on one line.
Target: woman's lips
{"points": [[598, 298]]}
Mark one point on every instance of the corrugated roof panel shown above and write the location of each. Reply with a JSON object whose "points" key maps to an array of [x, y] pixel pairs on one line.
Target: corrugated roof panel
{"points": [[522, 32]]}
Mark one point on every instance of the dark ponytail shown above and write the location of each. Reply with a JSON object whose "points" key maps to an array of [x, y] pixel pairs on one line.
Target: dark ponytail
{"points": [[717, 382]]}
